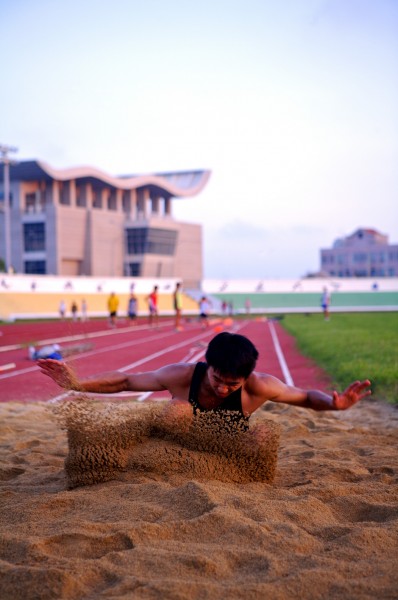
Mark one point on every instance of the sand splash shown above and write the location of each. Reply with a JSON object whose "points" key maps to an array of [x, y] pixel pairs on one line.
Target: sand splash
{"points": [[111, 441]]}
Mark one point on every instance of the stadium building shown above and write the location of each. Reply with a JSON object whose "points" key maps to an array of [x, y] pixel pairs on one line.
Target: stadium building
{"points": [[82, 221], [364, 253]]}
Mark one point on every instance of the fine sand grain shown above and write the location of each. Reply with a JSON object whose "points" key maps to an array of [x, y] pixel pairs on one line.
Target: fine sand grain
{"points": [[177, 514]]}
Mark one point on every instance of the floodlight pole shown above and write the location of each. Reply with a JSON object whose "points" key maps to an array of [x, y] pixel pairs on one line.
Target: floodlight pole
{"points": [[4, 158]]}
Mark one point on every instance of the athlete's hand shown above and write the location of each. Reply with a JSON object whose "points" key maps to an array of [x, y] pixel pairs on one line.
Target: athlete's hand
{"points": [[353, 394], [59, 372]]}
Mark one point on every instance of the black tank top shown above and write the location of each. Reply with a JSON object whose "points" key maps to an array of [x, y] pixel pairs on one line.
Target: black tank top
{"points": [[231, 407]]}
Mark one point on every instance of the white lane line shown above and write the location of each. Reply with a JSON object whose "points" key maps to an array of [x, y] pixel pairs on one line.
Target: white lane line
{"points": [[285, 370], [19, 372], [60, 397], [7, 366], [84, 336]]}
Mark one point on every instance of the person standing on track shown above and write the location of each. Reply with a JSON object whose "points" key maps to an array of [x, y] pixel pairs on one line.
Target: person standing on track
{"points": [[62, 309], [177, 304], [113, 305], [325, 303], [84, 309], [225, 385], [74, 309], [132, 308], [152, 300], [204, 307]]}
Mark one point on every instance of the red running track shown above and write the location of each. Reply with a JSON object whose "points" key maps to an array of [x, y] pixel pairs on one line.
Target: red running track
{"points": [[138, 348]]}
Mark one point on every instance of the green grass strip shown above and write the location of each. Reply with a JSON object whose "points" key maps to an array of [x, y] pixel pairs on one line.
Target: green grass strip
{"points": [[352, 346]]}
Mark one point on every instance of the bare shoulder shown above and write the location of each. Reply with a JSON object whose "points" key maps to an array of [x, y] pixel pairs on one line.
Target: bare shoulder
{"points": [[177, 371], [264, 385], [261, 387]]}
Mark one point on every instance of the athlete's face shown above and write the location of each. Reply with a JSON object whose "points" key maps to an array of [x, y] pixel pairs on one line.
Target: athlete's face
{"points": [[223, 385]]}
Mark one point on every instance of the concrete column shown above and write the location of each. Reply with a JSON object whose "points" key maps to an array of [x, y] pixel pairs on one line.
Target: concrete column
{"points": [[133, 200], [167, 207], [43, 192], [147, 203], [55, 192], [38, 199], [119, 207]]}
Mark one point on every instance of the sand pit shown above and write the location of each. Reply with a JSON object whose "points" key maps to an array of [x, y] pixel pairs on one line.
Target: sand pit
{"points": [[326, 527]]}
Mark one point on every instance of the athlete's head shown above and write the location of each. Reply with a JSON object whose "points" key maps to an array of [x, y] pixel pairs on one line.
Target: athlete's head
{"points": [[231, 354]]}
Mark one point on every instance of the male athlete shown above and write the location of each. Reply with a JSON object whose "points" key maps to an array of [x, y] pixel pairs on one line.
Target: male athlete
{"points": [[225, 384]]}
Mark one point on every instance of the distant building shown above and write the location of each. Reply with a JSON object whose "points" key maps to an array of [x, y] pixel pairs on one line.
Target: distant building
{"points": [[82, 221], [364, 253]]}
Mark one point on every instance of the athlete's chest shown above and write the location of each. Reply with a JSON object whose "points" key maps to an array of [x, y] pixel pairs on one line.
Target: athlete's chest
{"points": [[208, 400]]}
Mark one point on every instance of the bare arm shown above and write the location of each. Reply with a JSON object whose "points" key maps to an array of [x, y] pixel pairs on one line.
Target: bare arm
{"points": [[266, 387], [107, 383], [318, 400]]}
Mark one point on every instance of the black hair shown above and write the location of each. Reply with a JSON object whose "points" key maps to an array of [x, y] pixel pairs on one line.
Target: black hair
{"points": [[232, 354]]}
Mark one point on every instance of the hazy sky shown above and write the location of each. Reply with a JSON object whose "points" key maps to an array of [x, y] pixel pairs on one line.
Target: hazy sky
{"points": [[292, 104]]}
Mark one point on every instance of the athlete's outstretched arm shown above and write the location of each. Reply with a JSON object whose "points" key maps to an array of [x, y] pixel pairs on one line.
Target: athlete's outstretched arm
{"points": [[318, 400], [267, 387], [105, 383]]}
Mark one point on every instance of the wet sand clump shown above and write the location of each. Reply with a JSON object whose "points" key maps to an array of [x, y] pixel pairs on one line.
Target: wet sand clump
{"points": [[105, 442]]}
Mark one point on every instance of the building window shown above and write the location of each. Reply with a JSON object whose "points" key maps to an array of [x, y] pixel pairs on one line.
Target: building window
{"points": [[145, 240], [34, 235], [64, 196], [30, 202], [140, 203], [35, 267], [373, 257], [126, 202], [134, 269], [97, 199], [112, 205]]}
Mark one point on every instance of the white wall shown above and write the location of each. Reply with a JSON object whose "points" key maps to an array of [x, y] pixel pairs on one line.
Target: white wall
{"points": [[83, 285], [214, 286]]}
